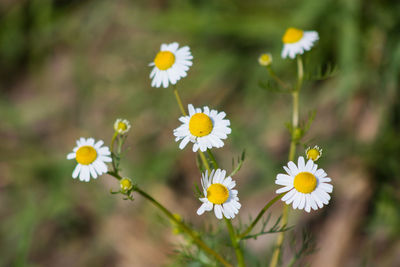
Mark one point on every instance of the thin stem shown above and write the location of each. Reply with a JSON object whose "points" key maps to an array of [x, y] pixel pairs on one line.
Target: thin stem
{"points": [[112, 151], [113, 140], [181, 224], [178, 99], [235, 242], [277, 79], [185, 228], [260, 214], [295, 114], [210, 154], [232, 233], [300, 73], [205, 162], [292, 152]]}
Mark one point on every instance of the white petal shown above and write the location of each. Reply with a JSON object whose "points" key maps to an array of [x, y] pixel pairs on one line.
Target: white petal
{"points": [[76, 171], [297, 199], [84, 175], [184, 142], [301, 164], [313, 203], [326, 187], [293, 168], [92, 172], [283, 189], [99, 144], [317, 200], [307, 203], [289, 195], [302, 201], [201, 210], [218, 211]]}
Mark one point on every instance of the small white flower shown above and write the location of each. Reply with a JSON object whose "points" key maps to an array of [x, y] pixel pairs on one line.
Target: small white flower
{"points": [[219, 193], [206, 129], [90, 157], [307, 186], [122, 126], [296, 41], [170, 64], [314, 153]]}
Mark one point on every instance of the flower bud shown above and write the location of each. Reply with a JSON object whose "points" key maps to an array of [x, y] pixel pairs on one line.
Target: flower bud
{"points": [[125, 184], [314, 153], [122, 126], [265, 59]]}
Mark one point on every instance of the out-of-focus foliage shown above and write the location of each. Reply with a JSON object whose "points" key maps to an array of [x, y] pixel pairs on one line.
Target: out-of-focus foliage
{"points": [[69, 68]]}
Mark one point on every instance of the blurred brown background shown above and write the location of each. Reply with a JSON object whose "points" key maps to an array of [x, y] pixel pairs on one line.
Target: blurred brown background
{"points": [[70, 68]]}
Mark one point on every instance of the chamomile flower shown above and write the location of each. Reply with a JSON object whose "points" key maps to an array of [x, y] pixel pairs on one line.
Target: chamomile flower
{"points": [[314, 153], [219, 194], [170, 64], [205, 128], [122, 126], [296, 41], [307, 186], [265, 59], [91, 158]]}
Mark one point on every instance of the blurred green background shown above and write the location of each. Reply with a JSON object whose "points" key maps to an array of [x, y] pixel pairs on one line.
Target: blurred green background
{"points": [[70, 68]]}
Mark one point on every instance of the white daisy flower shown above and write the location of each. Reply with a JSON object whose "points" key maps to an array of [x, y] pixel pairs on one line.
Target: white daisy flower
{"points": [[170, 64], [122, 126], [296, 41], [307, 186], [205, 129], [219, 193], [91, 158], [314, 153]]}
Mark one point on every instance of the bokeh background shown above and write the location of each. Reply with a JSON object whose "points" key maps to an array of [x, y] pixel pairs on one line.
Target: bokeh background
{"points": [[70, 68]]}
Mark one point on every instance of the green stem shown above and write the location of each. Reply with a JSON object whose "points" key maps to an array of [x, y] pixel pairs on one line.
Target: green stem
{"points": [[295, 114], [260, 214], [205, 162], [185, 228], [276, 78], [178, 99], [235, 242], [292, 152], [112, 151], [300, 73], [210, 154], [113, 140], [181, 224]]}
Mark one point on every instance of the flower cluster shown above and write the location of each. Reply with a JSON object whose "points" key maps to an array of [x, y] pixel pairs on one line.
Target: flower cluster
{"points": [[304, 185]]}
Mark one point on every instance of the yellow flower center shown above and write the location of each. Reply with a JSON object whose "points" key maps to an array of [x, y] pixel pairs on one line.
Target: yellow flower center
{"points": [[265, 59], [217, 193], [305, 182], [122, 126], [86, 155], [292, 35], [200, 125], [313, 154], [164, 60]]}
